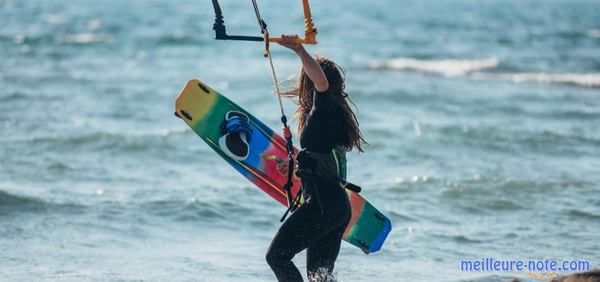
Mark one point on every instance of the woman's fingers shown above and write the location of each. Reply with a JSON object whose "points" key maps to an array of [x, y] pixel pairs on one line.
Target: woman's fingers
{"points": [[293, 38], [289, 41], [289, 38]]}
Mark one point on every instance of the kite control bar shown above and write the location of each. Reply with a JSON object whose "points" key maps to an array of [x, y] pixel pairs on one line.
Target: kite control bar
{"points": [[310, 32]]}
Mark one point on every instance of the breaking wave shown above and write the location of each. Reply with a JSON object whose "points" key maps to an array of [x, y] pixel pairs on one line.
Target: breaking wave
{"points": [[591, 80], [449, 67], [474, 69]]}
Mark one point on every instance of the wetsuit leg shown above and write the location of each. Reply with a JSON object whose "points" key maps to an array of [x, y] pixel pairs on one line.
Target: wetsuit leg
{"points": [[319, 222], [296, 234], [321, 256]]}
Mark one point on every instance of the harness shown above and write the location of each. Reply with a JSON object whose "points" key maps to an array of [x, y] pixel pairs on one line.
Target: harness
{"points": [[321, 167]]}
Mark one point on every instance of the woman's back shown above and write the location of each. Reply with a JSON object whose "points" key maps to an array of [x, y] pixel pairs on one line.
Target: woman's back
{"points": [[325, 126]]}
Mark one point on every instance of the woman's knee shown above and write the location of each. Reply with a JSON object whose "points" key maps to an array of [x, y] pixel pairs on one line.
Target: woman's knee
{"points": [[274, 257], [271, 258]]}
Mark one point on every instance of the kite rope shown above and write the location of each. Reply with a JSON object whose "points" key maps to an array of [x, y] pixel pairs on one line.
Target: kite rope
{"points": [[267, 53], [287, 133]]}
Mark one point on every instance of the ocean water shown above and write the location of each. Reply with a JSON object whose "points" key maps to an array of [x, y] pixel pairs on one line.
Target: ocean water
{"points": [[483, 119]]}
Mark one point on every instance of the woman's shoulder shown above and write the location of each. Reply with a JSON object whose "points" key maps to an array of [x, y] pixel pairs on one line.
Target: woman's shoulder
{"points": [[323, 100]]}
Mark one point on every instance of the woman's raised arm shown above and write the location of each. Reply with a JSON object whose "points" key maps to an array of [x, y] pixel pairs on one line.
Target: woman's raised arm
{"points": [[310, 66]]}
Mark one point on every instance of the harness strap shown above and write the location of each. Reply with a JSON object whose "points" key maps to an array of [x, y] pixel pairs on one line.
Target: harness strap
{"points": [[334, 169]]}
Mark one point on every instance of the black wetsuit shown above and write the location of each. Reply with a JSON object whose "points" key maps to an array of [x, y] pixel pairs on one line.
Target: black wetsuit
{"points": [[318, 225]]}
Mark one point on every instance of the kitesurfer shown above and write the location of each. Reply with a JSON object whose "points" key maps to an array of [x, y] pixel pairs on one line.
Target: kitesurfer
{"points": [[328, 128]]}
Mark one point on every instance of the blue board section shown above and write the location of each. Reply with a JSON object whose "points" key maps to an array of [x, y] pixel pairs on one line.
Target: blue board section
{"points": [[378, 242]]}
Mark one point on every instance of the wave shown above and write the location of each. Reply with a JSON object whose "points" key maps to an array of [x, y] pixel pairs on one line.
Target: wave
{"points": [[48, 39], [85, 38], [147, 140], [183, 210], [448, 67], [15, 96], [591, 80], [593, 33], [225, 209], [474, 69], [578, 213], [11, 204], [11, 201], [504, 188], [178, 38]]}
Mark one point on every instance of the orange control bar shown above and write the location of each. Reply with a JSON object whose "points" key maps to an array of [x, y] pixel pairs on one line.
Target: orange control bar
{"points": [[310, 32]]}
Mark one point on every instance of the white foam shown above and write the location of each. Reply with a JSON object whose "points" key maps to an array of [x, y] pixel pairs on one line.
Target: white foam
{"points": [[593, 33], [85, 38], [591, 80], [450, 67], [474, 68]]}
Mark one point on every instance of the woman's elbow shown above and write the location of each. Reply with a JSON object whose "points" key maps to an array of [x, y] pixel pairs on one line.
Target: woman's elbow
{"points": [[322, 85]]}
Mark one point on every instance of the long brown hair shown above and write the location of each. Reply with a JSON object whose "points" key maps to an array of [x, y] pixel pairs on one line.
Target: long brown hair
{"points": [[305, 89]]}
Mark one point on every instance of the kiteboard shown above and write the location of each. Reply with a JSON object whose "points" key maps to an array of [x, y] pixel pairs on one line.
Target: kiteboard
{"points": [[265, 162]]}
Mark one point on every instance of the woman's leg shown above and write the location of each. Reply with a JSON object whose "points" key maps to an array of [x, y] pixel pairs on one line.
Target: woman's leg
{"points": [[298, 232], [321, 256]]}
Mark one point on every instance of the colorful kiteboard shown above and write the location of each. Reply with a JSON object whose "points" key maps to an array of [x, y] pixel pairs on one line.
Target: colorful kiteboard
{"points": [[204, 109]]}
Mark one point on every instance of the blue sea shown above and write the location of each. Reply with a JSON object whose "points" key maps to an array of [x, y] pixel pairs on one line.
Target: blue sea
{"points": [[483, 119]]}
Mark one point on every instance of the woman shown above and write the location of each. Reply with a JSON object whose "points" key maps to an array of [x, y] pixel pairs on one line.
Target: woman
{"points": [[328, 128]]}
